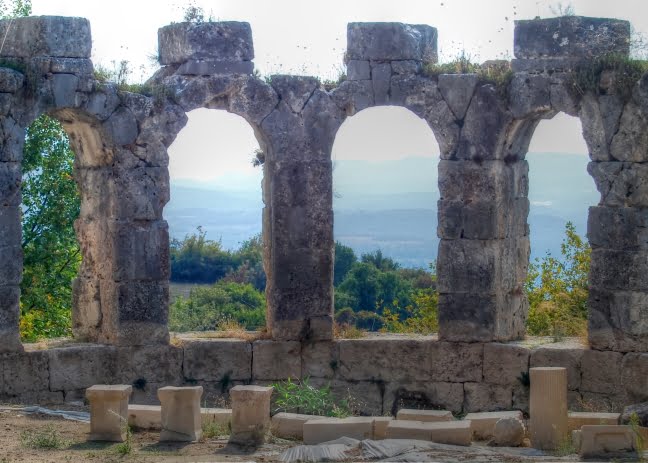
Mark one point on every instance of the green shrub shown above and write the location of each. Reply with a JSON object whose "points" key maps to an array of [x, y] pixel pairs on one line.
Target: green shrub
{"points": [[48, 438], [302, 397], [624, 72]]}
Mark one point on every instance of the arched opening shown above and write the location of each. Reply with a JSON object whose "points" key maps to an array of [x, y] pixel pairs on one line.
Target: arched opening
{"points": [[385, 193], [51, 253], [560, 192], [214, 215]]}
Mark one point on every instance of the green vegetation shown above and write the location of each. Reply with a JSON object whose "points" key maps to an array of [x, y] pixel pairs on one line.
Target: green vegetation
{"points": [[214, 429], [126, 447], [620, 75], [498, 73], [46, 439], [301, 397], [51, 252], [15, 8], [557, 289]]}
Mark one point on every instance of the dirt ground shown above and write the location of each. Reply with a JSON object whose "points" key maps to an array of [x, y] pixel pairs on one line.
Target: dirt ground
{"points": [[15, 427]]}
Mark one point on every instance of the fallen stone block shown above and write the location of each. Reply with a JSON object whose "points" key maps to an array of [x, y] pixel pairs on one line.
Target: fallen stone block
{"points": [[144, 416], [150, 416], [328, 429], [380, 424], [180, 413], [606, 441], [291, 425], [483, 423], [216, 415], [250, 414], [428, 416], [108, 412], [448, 432], [508, 432], [577, 419]]}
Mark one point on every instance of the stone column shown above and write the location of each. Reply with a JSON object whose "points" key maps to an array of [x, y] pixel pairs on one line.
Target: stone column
{"points": [[250, 414], [181, 419], [548, 407], [108, 412]]}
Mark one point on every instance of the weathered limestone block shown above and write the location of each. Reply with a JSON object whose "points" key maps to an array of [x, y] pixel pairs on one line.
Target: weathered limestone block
{"points": [[327, 429], [144, 416], [571, 36], [483, 220], [180, 413], [391, 41], [108, 412], [380, 425], [250, 414], [619, 270], [24, 373], [13, 134], [508, 432], [64, 89], [211, 67], [358, 70], [487, 121], [529, 95], [404, 67], [457, 91], [483, 423], [634, 369], [619, 228], [402, 360], [216, 359], [134, 313], [428, 416], [10, 175], [620, 183], [575, 420], [46, 36], [12, 265], [617, 320], [9, 314], [564, 98], [469, 316], [79, 367], [153, 363], [605, 441], [319, 359], [253, 99], [449, 432], [291, 425], [294, 90], [504, 363], [482, 397], [10, 80], [469, 181], [486, 266], [381, 81], [272, 360], [140, 194], [225, 41], [560, 355], [352, 96], [548, 406], [420, 95], [545, 65], [425, 394]]}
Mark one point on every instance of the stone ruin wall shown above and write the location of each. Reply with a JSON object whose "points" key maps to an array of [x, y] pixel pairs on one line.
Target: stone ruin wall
{"points": [[120, 139]]}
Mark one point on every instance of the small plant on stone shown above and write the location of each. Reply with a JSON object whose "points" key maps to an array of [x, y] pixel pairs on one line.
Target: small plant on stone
{"points": [[639, 443], [347, 331], [302, 397], [565, 447], [611, 73], [48, 438], [126, 447]]}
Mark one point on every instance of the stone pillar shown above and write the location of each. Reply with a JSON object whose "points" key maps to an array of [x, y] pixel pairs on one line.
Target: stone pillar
{"points": [[181, 419], [548, 407], [108, 412], [250, 414], [298, 219], [484, 247]]}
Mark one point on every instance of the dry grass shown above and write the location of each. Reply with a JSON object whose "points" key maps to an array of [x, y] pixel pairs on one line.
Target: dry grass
{"points": [[347, 331], [227, 329]]}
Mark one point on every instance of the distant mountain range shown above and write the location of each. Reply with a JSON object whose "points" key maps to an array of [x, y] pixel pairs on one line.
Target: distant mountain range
{"points": [[391, 205]]}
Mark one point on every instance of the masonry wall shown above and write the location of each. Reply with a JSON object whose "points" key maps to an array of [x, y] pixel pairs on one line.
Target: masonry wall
{"points": [[483, 127]]}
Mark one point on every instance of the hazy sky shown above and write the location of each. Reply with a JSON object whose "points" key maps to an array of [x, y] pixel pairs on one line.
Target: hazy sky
{"points": [[306, 37]]}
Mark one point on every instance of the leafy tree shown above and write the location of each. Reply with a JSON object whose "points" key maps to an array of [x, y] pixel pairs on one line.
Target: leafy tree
{"points": [[379, 261], [199, 260], [207, 307], [51, 252], [558, 289], [15, 8], [344, 260]]}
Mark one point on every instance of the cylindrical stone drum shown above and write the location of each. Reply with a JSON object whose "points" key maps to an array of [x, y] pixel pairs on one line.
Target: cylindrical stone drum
{"points": [[548, 407]]}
